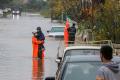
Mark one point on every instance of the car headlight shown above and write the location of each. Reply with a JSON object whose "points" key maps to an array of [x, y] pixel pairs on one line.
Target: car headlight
{"points": [[17, 11], [13, 11]]}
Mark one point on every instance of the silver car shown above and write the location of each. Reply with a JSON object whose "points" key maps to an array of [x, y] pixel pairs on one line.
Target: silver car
{"points": [[56, 31], [78, 50], [80, 67]]}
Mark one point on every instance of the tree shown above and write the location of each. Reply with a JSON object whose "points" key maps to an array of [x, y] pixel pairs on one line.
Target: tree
{"points": [[4, 3], [108, 17], [36, 4], [77, 10], [102, 16], [56, 9]]}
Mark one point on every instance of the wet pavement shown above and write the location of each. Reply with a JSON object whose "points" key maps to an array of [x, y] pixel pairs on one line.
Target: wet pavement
{"points": [[16, 62]]}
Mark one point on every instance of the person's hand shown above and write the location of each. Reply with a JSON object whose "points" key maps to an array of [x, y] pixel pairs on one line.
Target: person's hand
{"points": [[42, 41]]}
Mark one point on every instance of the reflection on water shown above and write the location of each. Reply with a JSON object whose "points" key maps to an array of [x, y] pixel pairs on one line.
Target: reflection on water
{"points": [[38, 69], [16, 61], [17, 16]]}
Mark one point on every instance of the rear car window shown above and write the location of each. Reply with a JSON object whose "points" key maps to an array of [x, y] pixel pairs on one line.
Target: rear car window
{"points": [[57, 29], [81, 71], [82, 52]]}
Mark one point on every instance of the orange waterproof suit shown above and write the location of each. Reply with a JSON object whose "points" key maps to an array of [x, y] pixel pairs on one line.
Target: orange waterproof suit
{"points": [[66, 35], [35, 43]]}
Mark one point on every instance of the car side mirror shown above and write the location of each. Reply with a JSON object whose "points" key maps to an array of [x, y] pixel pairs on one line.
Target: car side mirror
{"points": [[50, 78], [58, 60]]}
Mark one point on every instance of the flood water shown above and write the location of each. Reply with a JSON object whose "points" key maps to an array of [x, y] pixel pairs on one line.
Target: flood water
{"points": [[16, 62]]}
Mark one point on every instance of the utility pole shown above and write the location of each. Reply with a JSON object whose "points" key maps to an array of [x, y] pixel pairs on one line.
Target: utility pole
{"points": [[62, 16], [92, 16], [51, 9]]}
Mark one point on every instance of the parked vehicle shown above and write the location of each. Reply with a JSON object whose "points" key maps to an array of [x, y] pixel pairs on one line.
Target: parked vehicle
{"points": [[78, 50], [80, 67], [56, 31]]}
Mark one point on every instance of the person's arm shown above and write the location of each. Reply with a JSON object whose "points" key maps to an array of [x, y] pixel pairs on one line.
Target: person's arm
{"points": [[35, 41], [100, 74], [99, 78], [68, 29], [39, 41]]}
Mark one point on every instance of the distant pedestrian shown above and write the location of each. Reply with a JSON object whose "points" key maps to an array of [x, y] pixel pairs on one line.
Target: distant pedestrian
{"points": [[85, 36], [85, 39], [109, 70], [72, 32]]}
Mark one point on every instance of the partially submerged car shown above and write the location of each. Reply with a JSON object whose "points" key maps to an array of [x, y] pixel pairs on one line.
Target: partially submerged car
{"points": [[56, 31], [79, 67]]}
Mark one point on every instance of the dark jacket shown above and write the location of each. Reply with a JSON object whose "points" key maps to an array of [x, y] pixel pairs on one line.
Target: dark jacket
{"points": [[72, 31], [40, 36]]}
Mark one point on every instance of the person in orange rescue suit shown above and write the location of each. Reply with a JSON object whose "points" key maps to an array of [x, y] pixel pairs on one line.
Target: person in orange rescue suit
{"points": [[35, 43], [41, 37]]}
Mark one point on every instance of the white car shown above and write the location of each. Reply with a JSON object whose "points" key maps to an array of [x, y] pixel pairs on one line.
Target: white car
{"points": [[78, 50], [82, 50], [56, 31]]}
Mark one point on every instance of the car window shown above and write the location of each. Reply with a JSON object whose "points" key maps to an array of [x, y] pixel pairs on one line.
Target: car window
{"points": [[81, 71], [57, 29], [82, 52]]}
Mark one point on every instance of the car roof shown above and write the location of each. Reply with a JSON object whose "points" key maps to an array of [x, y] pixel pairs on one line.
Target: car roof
{"points": [[58, 26], [82, 58], [81, 47], [78, 58]]}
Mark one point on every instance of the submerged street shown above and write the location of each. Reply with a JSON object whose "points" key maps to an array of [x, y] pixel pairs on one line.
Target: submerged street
{"points": [[82, 39], [16, 62]]}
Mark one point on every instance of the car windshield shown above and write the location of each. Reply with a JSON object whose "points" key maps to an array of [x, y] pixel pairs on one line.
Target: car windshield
{"points": [[57, 29], [80, 71], [82, 52]]}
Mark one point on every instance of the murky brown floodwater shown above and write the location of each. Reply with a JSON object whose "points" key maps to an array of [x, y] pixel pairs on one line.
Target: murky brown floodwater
{"points": [[16, 61]]}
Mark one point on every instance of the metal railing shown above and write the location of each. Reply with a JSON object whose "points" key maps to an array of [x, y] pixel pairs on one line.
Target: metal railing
{"points": [[62, 45], [90, 43]]}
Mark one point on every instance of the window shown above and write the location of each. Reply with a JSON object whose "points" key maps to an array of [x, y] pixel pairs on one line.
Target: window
{"points": [[81, 71], [83, 52], [57, 29]]}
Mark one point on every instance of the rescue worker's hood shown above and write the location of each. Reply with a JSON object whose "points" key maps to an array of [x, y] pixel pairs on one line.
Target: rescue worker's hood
{"points": [[114, 67]]}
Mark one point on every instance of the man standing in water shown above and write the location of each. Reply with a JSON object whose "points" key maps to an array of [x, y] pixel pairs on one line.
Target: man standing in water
{"points": [[41, 37], [35, 43]]}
